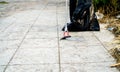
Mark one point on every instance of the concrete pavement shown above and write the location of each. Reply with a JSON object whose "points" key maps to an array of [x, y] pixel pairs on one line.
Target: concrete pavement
{"points": [[30, 42]]}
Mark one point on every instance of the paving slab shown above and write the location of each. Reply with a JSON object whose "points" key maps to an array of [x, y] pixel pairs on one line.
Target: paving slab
{"points": [[38, 43], [88, 67], [6, 55], [9, 44], [12, 35], [73, 41], [2, 68], [41, 35], [34, 68], [5, 23], [43, 28], [106, 37], [36, 56], [81, 54]]}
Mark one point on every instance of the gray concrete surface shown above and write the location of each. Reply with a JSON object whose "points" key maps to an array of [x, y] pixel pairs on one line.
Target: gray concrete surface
{"points": [[30, 42]]}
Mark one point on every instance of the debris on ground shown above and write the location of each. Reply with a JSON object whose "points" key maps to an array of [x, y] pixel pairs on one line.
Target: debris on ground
{"points": [[99, 15], [113, 25], [118, 16], [115, 52]]}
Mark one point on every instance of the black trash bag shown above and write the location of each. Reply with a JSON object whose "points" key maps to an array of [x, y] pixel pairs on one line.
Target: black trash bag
{"points": [[94, 24], [73, 27], [80, 18], [76, 26], [83, 16]]}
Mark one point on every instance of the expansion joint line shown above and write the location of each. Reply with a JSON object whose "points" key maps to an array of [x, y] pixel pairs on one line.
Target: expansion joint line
{"points": [[101, 43], [58, 37], [58, 41]]}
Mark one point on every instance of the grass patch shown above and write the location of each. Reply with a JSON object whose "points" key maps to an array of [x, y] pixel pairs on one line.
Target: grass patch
{"points": [[3, 2]]}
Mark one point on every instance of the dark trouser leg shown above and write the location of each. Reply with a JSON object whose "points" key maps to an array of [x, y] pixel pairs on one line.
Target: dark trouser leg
{"points": [[72, 8], [87, 20], [79, 6], [82, 13]]}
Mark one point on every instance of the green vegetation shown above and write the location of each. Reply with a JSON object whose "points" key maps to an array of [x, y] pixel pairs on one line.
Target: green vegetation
{"points": [[108, 7], [3, 2]]}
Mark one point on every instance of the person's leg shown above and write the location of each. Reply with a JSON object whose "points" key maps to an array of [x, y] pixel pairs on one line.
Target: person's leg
{"points": [[79, 7], [82, 13], [72, 8]]}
